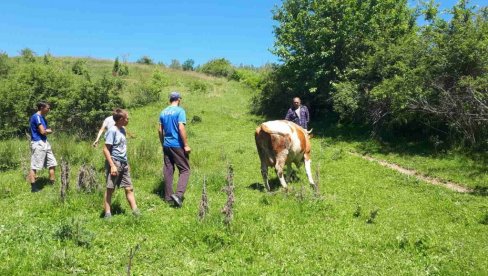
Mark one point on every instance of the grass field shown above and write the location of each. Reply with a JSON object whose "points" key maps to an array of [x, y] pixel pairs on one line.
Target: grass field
{"points": [[366, 220]]}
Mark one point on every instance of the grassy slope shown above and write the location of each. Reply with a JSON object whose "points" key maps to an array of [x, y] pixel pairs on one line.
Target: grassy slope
{"points": [[420, 229]]}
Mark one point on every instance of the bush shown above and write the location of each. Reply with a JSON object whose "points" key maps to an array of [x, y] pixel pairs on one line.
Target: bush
{"points": [[218, 67], [145, 60]]}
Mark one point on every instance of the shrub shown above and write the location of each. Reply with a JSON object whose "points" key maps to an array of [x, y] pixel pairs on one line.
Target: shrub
{"points": [[145, 60], [218, 67], [188, 65]]}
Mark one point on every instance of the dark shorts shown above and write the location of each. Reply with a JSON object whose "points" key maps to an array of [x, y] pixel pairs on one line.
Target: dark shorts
{"points": [[122, 179]]}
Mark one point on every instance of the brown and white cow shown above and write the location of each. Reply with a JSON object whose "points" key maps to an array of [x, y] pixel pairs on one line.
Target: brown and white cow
{"points": [[282, 142]]}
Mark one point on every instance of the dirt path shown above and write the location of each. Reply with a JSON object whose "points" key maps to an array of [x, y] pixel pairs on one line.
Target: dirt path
{"points": [[432, 180]]}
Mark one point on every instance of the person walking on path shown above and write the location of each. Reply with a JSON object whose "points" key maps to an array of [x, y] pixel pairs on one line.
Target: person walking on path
{"points": [[117, 168], [298, 113], [173, 138], [106, 125], [42, 155]]}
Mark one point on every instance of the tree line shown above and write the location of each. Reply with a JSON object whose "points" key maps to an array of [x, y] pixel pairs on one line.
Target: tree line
{"points": [[372, 63]]}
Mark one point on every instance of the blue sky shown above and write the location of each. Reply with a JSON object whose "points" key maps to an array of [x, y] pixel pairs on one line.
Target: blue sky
{"points": [[240, 31]]}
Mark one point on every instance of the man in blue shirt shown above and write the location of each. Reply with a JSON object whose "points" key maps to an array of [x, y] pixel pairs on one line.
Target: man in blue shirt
{"points": [[42, 154], [172, 135]]}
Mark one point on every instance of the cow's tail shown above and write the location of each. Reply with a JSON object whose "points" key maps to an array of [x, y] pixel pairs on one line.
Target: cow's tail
{"points": [[263, 144]]}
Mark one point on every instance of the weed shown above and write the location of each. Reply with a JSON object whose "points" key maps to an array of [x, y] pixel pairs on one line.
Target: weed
{"points": [[203, 207], [87, 179], [73, 230], [372, 216], [357, 212]]}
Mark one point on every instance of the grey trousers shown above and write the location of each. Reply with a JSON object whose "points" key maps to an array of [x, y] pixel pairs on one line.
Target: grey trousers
{"points": [[178, 157]]}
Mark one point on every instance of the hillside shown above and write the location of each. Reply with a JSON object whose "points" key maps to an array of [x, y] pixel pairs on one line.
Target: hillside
{"points": [[367, 219]]}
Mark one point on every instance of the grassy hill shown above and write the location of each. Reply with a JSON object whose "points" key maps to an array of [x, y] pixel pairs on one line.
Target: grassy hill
{"points": [[366, 220]]}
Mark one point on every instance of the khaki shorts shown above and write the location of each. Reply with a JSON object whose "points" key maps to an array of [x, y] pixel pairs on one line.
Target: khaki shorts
{"points": [[122, 179], [42, 155]]}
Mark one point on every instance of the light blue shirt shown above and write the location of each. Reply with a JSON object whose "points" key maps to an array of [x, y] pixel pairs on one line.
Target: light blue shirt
{"points": [[116, 138], [170, 118]]}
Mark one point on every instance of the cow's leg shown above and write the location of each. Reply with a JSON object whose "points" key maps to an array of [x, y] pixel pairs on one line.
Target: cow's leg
{"points": [[289, 173], [308, 170], [264, 173], [280, 164]]}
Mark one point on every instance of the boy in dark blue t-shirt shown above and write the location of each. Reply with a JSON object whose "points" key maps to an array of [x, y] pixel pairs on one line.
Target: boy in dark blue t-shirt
{"points": [[41, 153]]}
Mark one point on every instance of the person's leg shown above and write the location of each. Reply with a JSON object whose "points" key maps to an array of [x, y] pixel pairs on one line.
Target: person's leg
{"points": [[126, 183], [183, 164], [129, 194], [168, 172], [52, 177], [38, 155], [107, 201], [51, 162]]}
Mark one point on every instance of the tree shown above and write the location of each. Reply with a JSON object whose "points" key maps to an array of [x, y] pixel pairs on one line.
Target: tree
{"points": [[28, 55], [218, 67], [175, 64], [188, 65], [116, 68], [145, 60]]}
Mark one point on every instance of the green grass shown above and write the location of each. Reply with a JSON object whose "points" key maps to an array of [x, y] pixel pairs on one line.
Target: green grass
{"points": [[419, 229]]}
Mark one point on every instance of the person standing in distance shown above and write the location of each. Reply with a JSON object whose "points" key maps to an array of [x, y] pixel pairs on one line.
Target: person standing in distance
{"points": [[298, 113], [106, 125], [173, 138], [41, 153]]}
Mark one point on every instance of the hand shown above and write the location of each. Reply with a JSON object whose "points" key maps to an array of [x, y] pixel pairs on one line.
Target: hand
{"points": [[49, 131], [187, 149], [113, 170]]}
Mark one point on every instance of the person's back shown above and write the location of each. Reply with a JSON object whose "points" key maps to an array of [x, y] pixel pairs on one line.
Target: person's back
{"points": [[34, 123], [170, 118]]}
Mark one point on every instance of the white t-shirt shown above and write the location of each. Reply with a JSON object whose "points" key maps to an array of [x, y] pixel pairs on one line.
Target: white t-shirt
{"points": [[297, 111], [108, 122]]}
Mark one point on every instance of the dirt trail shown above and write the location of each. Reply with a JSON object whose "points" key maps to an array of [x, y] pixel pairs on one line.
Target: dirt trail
{"points": [[432, 180]]}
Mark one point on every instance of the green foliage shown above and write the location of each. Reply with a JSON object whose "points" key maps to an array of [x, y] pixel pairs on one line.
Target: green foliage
{"points": [[74, 231], [369, 63], [175, 64], [77, 103], [188, 65], [249, 77], [27, 55], [218, 68], [150, 91], [79, 67], [116, 68], [145, 60], [4, 64]]}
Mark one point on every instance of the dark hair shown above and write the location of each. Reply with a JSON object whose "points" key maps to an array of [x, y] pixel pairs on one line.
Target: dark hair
{"points": [[41, 105], [119, 113]]}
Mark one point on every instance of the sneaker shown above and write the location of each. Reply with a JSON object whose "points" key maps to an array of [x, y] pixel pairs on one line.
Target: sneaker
{"points": [[177, 200], [136, 212], [35, 188]]}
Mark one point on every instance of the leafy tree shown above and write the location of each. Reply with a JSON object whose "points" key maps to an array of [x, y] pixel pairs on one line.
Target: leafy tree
{"points": [[28, 55], [79, 67], [145, 60], [116, 68], [188, 65], [218, 67], [4, 64], [175, 64]]}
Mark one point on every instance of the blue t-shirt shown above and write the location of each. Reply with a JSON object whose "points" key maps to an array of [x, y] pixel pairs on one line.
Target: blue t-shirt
{"points": [[116, 138], [170, 118], [34, 123]]}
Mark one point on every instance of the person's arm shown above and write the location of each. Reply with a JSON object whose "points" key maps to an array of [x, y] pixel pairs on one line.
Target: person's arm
{"points": [[289, 115], [108, 157], [307, 116], [44, 131], [181, 127], [99, 134], [161, 134]]}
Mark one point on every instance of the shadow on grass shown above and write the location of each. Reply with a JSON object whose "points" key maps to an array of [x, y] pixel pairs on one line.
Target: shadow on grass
{"points": [[480, 191], [274, 185], [115, 208], [42, 182], [158, 189]]}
